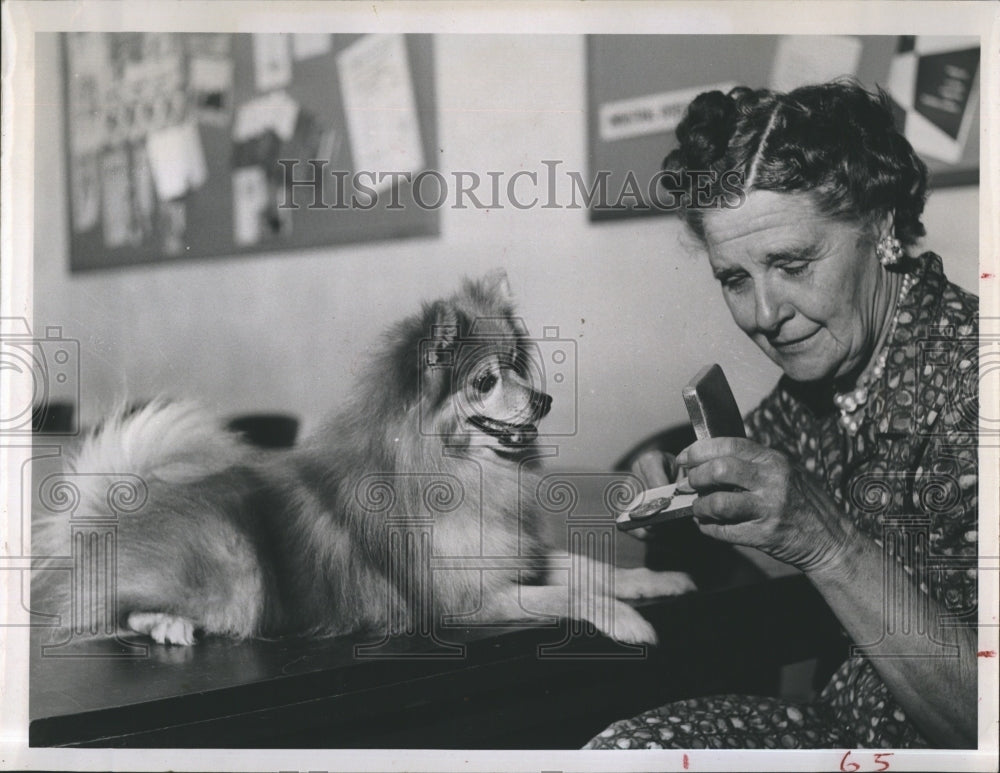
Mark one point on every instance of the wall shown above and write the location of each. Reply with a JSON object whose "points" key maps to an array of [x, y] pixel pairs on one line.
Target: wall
{"points": [[290, 331]]}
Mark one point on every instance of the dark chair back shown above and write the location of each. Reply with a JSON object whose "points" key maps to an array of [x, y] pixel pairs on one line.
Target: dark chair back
{"points": [[672, 440], [267, 430], [53, 418]]}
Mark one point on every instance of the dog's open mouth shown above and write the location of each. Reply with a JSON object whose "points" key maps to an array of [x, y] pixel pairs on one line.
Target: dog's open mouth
{"points": [[513, 436]]}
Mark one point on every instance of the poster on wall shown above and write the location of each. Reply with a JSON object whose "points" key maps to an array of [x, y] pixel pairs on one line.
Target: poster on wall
{"points": [[934, 83], [196, 145], [638, 90]]}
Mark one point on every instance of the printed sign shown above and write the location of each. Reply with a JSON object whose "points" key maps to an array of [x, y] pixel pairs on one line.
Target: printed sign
{"points": [[932, 82], [652, 114], [380, 106]]}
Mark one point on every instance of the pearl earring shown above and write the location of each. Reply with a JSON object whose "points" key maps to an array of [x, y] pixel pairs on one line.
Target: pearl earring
{"points": [[889, 251]]}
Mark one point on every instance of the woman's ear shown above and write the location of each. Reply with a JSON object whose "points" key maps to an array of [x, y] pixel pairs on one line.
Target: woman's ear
{"points": [[876, 229], [885, 227]]}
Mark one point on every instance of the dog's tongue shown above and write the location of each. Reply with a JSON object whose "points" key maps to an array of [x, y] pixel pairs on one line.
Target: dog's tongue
{"points": [[520, 435], [507, 434]]}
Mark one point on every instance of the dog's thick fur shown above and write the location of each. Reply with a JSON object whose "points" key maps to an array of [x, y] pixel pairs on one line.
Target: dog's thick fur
{"points": [[239, 542]]}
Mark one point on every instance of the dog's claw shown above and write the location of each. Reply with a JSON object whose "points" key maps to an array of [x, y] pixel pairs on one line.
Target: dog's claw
{"points": [[630, 627], [163, 629]]}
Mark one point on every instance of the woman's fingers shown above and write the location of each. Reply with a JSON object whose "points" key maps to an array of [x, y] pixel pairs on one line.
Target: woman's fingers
{"points": [[724, 472], [733, 533], [702, 451], [725, 507]]}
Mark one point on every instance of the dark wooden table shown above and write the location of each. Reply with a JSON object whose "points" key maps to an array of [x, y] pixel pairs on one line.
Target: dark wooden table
{"points": [[501, 689]]}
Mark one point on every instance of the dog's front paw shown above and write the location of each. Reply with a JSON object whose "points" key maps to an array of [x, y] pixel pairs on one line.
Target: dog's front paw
{"points": [[644, 583], [161, 628], [630, 627]]}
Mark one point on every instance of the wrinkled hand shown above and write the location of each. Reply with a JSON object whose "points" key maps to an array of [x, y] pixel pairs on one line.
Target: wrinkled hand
{"points": [[752, 495], [654, 469]]}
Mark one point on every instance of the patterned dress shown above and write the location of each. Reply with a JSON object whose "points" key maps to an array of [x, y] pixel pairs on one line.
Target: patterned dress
{"points": [[910, 470]]}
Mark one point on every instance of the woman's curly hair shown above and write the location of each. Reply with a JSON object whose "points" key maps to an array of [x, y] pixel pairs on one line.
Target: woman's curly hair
{"points": [[834, 140]]}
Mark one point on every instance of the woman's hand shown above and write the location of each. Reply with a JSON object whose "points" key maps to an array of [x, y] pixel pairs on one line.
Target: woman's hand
{"points": [[752, 495], [654, 469]]}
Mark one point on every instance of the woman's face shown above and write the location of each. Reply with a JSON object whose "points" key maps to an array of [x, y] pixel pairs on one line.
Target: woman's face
{"points": [[807, 289]]}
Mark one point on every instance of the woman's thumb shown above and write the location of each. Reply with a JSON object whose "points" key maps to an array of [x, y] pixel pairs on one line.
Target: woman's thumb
{"points": [[655, 468]]}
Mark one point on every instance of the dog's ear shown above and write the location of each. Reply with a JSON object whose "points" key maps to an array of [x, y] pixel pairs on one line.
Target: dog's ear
{"points": [[497, 285], [444, 332]]}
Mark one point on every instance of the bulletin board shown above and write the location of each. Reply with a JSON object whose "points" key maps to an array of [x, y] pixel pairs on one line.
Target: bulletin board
{"points": [[187, 145], [638, 86]]}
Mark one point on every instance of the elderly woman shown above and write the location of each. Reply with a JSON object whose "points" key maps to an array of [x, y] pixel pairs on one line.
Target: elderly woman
{"points": [[873, 420]]}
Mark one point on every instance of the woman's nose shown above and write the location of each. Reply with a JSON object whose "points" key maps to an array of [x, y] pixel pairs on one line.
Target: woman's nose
{"points": [[770, 310]]}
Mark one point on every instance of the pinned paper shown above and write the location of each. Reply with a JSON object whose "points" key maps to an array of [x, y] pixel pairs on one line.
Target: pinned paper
{"points": [[272, 61], [309, 44], [328, 147], [177, 160], [249, 203], [173, 226], [275, 112], [380, 106], [116, 204], [143, 193], [89, 68], [148, 96], [211, 44], [210, 73], [86, 191], [211, 80], [805, 59]]}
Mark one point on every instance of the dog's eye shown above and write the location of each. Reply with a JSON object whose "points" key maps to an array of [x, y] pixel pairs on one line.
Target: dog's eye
{"points": [[484, 382]]}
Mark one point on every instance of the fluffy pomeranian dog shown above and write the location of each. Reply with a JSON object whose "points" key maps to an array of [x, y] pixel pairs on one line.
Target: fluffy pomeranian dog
{"points": [[235, 541]]}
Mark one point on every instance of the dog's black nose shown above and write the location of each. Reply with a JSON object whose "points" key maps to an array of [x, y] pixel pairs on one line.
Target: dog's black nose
{"points": [[541, 404]]}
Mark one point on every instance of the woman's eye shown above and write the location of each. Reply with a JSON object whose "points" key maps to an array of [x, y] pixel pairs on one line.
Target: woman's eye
{"points": [[484, 382], [795, 269], [734, 283]]}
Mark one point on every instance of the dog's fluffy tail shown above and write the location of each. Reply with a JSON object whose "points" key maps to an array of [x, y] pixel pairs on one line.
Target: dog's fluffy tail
{"points": [[144, 448], [173, 442], [161, 442]]}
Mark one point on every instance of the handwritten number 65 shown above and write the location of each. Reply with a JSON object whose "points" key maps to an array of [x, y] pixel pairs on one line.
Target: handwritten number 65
{"points": [[850, 766]]}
